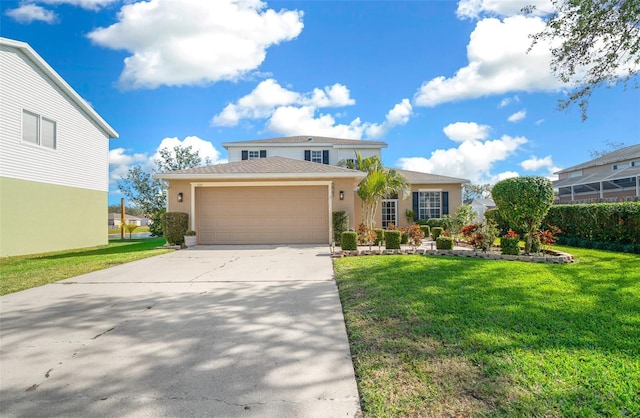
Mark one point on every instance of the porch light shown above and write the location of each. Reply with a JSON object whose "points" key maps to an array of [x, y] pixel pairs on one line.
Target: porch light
{"points": [[341, 194], [180, 197]]}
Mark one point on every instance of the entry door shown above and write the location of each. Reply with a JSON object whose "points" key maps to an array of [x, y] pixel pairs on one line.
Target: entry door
{"points": [[389, 212]]}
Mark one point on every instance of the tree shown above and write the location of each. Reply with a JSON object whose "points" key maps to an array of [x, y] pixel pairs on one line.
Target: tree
{"points": [[598, 45], [129, 210], [475, 191], [524, 202], [610, 146], [379, 183], [147, 193]]}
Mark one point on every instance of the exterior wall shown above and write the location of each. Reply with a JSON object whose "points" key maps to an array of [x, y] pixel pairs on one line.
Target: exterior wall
{"points": [[606, 168], [82, 155], [455, 198], [296, 152], [38, 217]]}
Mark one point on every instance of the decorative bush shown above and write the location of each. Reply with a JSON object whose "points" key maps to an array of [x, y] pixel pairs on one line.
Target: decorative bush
{"points": [[340, 224], [510, 245], [437, 222], [404, 237], [416, 235], [379, 236], [349, 241], [156, 223], [480, 236], [392, 239], [190, 233], [436, 231], [444, 243], [493, 215], [425, 230], [174, 225]]}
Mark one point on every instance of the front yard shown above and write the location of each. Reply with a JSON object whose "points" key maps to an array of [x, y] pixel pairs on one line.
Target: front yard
{"points": [[452, 336]]}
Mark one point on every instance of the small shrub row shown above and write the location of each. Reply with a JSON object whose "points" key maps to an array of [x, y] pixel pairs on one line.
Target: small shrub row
{"points": [[392, 239], [349, 241], [599, 245]]}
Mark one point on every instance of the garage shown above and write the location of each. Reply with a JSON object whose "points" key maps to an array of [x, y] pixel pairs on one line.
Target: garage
{"points": [[262, 214]]}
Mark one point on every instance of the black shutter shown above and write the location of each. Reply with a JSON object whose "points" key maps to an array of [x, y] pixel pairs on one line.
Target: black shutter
{"points": [[445, 203], [245, 154], [325, 156], [307, 155], [416, 208], [263, 153]]}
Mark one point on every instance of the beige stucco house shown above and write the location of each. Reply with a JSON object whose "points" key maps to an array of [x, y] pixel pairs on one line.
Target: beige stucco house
{"points": [[612, 177], [284, 190]]}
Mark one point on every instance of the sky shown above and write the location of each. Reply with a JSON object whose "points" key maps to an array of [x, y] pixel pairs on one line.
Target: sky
{"points": [[448, 85]]}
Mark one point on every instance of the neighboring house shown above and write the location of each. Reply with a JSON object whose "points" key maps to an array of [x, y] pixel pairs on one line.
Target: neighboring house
{"points": [[54, 159], [116, 218], [480, 206], [284, 190], [612, 177]]}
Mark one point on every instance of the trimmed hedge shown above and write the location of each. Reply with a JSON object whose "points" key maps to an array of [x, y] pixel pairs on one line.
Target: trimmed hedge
{"points": [[340, 224], [379, 235], [349, 241], [444, 243], [426, 230], [510, 246], [404, 238], [392, 239], [174, 226], [606, 222], [435, 232], [437, 222]]}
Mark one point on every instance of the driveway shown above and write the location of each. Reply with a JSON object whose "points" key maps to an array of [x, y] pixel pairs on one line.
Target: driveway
{"points": [[206, 332]]}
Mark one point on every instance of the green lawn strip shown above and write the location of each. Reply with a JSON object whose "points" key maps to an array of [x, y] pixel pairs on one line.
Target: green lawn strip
{"points": [[25, 272], [435, 336]]}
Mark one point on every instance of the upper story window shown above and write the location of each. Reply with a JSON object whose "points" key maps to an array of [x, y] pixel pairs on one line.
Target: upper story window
{"points": [[317, 156], [38, 130], [254, 154], [620, 166], [575, 174]]}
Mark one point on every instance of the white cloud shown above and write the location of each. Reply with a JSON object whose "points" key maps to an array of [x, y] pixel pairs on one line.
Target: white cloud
{"points": [[27, 13], [539, 121], [472, 9], [518, 116], [472, 160], [498, 63], [193, 42], [508, 100], [120, 161], [85, 4], [535, 164], [290, 113], [466, 131]]}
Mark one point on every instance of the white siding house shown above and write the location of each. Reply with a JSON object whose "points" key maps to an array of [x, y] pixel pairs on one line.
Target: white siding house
{"points": [[54, 159]]}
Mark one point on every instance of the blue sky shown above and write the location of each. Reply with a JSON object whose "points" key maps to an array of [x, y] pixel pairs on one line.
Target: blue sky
{"points": [[447, 84]]}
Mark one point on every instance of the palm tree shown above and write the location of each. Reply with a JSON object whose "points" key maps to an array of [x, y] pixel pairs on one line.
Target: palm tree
{"points": [[380, 183]]}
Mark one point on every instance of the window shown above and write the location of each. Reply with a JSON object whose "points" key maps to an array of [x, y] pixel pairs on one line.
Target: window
{"points": [[389, 212], [575, 174], [316, 157], [428, 205], [38, 130], [253, 155], [621, 166]]}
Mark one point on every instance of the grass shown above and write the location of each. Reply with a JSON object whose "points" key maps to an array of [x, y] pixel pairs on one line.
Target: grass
{"points": [[451, 336], [24, 272], [138, 230]]}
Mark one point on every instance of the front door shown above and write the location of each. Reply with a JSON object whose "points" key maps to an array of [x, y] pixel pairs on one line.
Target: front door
{"points": [[389, 212]]}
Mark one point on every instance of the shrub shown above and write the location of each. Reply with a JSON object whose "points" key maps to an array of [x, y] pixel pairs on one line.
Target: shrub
{"points": [[444, 243], [493, 215], [436, 231], [190, 233], [174, 225], [156, 223], [437, 222], [426, 230], [404, 237], [416, 235], [510, 243], [349, 241], [480, 236], [392, 239], [340, 224], [379, 235]]}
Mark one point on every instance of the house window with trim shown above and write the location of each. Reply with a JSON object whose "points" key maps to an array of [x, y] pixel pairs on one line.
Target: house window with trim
{"points": [[430, 204], [38, 130], [317, 156], [253, 154]]}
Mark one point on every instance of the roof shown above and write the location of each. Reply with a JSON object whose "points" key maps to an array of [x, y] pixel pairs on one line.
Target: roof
{"points": [[308, 140], [597, 177], [622, 154], [270, 167], [39, 62], [484, 202], [416, 177]]}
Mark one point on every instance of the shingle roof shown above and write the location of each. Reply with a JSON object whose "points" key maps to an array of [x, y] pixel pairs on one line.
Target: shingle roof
{"points": [[264, 167], [622, 154], [307, 139], [415, 177]]}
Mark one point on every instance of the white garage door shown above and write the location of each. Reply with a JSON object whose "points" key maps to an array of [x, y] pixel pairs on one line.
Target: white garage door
{"points": [[262, 215]]}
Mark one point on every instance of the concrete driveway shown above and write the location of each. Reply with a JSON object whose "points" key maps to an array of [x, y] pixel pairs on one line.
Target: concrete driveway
{"points": [[206, 332]]}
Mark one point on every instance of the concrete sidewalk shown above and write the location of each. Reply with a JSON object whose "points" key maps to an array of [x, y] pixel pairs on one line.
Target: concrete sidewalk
{"points": [[205, 332]]}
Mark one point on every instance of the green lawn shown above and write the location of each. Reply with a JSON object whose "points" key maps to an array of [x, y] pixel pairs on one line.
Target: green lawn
{"points": [[447, 336], [25, 272]]}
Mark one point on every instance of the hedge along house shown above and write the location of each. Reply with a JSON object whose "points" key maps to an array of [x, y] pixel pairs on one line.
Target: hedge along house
{"points": [[284, 190], [54, 159]]}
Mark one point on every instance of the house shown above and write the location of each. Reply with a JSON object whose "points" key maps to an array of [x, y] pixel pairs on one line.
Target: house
{"points": [[284, 191], [612, 177], [480, 206], [116, 218], [54, 159]]}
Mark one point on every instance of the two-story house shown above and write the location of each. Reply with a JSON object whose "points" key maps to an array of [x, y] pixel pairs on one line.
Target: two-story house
{"points": [[614, 176], [284, 190], [54, 159]]}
